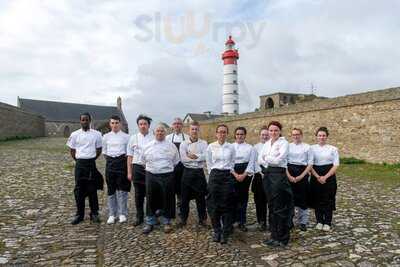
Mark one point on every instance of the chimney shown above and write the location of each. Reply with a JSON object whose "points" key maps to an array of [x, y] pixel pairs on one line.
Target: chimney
{"points": [[207, 113], [119, 103]]}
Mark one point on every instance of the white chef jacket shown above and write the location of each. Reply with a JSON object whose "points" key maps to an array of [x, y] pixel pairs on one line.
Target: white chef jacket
{"points": [[114, 144], [258, 147], [85, 143], [274, 155], [245, 153], [160, 156], [324, 155], [136, 144], [220, 157], [198, 148], [300, 154]]}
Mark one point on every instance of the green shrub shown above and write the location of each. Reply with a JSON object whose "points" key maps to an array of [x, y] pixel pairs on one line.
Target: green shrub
{"points": [[352, 160]]}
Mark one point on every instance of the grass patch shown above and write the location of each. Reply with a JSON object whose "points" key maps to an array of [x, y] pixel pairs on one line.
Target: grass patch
{"points": [[352, 160], [2, 246], [389, 174], [69, 166], [15, 138]]}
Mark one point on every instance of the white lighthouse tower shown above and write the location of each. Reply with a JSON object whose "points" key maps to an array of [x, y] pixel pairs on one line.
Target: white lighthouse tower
{"points": [[230, 97]]}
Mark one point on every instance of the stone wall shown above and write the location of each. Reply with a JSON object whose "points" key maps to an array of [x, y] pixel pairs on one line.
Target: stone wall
{"points": [[365, 126], [18, 123]]}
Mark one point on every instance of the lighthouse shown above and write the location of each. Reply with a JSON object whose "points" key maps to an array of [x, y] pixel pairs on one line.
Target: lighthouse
{"points": [[230, 96]]}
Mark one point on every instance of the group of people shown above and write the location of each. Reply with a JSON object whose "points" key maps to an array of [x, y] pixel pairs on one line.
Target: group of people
{"points": [[168, 171]]}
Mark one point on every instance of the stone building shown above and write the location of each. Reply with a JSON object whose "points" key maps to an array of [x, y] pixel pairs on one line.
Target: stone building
{"points": [[200, 117], [63, 118], [365, 125], [284, 99]]}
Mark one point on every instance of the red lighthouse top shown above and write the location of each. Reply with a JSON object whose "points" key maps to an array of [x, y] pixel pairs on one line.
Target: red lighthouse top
{"points": [[231, 54]]}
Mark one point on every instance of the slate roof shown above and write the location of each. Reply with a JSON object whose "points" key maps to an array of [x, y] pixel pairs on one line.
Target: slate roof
{"points": [[61, 111], [202, 117]]}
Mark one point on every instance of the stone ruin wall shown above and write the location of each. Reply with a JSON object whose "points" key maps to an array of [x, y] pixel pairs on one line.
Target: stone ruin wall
{"points": [[18, 123], [365, 126]]}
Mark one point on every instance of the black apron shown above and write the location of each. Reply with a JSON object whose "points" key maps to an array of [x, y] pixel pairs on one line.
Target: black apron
{"points": [[160, 194], [221, 192], [85, 169], [116, 174], [280, 202], [178, 170], [139, 174], [323, 196], [195, 180], [241, 187], [301, 188]]}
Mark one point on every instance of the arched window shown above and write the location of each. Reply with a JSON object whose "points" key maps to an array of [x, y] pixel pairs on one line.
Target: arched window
{"points": [[269, 103]]}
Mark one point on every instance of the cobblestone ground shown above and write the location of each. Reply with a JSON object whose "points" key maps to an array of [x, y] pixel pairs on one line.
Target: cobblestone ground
{"points": [[36, 205]]}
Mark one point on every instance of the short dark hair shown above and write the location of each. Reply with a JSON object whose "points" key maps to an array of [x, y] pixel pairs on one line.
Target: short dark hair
{"points": [[275, 123], [115, 117], [222, 125], [241, 128], [322, 129], [143, 117], [85, 114], [264, 127]]}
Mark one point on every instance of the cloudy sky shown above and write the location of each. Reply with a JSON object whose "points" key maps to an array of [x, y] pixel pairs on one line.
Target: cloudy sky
{"points": [[164, 57]]}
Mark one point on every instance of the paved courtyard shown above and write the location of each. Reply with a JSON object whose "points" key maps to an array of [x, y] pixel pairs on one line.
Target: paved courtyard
{"points": [[36, 182]]}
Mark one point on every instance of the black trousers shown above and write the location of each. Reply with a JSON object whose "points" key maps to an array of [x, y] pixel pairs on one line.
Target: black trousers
{"points": [[242, 194], [85, 186], [260, 199], [280, 202], [160, 194], [221, 200], [178, 172], [139, 175], [323, 196], [194, 186]]}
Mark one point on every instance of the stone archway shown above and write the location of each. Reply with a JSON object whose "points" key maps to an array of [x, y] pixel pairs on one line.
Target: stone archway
{"points": [[269, 103], [67, 131]]}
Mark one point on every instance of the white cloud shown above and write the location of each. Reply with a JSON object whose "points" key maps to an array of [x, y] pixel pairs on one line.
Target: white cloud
{"points": [[86, 51]]}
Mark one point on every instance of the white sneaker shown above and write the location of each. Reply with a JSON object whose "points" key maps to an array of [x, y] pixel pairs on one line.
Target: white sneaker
{"points": [[122, 218], [326, 228], [111, 220], [319, 226]]}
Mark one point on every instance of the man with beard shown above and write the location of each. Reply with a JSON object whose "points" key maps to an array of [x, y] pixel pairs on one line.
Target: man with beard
{"points": [[194, 184]]}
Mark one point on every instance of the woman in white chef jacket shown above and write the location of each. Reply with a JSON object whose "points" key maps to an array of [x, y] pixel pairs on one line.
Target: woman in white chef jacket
{"points": [[323, 184]]}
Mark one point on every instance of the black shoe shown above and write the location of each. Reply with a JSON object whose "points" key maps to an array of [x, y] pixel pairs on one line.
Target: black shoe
{"points": [[138, 222], [77, 219], [268, 242], [181, 223], [216, 237], [262, 227], [303, 227], [147, 229], [224, 239], [278, 244], [202, 223], [95, 218], [242, 228]]}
